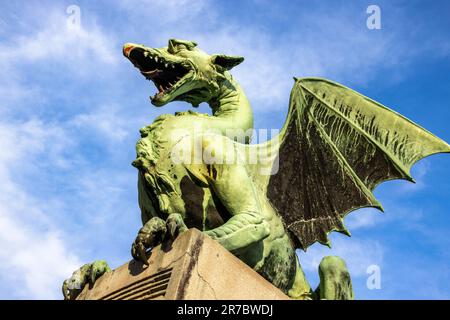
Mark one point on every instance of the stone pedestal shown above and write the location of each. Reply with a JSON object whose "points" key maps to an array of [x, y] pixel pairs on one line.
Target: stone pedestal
{"points": [[193, 267]]}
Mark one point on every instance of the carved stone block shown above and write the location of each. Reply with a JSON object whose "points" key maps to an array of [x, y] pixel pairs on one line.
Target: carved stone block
{"points": [[192, 267]]}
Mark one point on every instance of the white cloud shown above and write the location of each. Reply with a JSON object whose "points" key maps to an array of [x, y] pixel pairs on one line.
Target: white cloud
{"points": [[37, 260], [21, 141], [165, 11], [34, 253], [55, 40], [363, 218], [358, 254], [105, 121], [51, 46]]}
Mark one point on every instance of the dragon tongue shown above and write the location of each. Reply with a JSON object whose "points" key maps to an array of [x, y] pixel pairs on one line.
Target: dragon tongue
{"points": [[151, 73]]}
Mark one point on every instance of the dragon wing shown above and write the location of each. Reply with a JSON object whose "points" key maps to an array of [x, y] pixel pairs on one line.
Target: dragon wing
{"points": [[336, 146]]}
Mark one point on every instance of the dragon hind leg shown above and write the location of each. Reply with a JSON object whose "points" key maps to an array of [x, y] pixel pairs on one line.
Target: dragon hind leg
{"points": [[335, 282], [301, 289]]}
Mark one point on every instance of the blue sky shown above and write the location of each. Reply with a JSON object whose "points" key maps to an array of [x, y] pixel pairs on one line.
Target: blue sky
{"points": [[71, 107]]}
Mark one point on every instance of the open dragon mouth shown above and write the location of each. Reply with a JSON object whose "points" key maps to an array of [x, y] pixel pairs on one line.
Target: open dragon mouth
{"points": [[168, 76]]}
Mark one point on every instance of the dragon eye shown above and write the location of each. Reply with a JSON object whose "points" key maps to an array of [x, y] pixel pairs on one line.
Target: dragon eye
{"points": [[178, 45], [181, 47]]}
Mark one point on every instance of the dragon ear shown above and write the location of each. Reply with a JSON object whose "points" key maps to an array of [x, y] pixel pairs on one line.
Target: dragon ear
{"points": [[226, 62]]}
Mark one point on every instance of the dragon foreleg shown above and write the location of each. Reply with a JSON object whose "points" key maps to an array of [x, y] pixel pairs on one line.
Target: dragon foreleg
{"points": [[240, 231], [88, 273]]}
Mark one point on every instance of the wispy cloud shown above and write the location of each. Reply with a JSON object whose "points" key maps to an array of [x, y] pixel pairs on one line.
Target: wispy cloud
{"points": [[51, 45], [358, 254], [363, 218], [105, 122], [56, 41], [166, 11], [33, 252]]}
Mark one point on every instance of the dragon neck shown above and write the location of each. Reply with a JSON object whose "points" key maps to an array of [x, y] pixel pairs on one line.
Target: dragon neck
{"points": [[232, 106]]}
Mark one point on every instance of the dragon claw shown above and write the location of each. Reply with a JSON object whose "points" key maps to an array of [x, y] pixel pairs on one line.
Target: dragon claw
{"points": [[142, 253], [97, 269], [175, 225], [150, 235], [138, 250], [172, 229], [154, 232]]}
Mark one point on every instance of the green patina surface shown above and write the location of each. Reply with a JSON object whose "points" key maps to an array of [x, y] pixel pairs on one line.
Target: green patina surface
{"points": [[88, 273], [335, 147]]}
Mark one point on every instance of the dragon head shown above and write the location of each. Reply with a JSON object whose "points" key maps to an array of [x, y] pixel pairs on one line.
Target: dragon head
{"points": [[181, 71]]}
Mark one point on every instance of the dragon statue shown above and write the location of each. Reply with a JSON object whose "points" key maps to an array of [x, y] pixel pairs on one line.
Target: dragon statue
{"points": [[335, 147]]}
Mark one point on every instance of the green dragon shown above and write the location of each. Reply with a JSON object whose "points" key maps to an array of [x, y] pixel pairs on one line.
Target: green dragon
{"points": [[335, 147]]}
